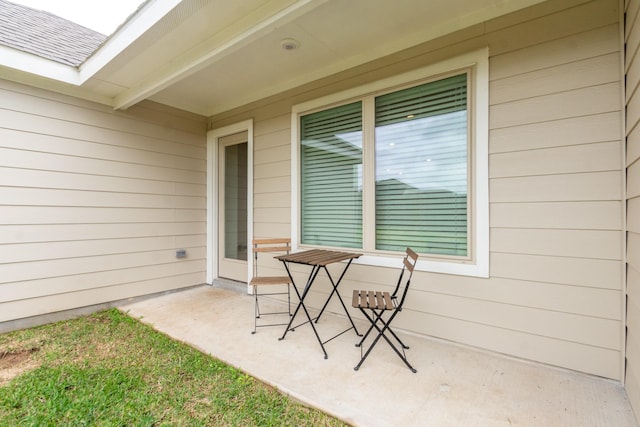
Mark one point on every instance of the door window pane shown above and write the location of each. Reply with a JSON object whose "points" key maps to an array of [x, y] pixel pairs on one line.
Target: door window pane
{"points": [[235, 201]]}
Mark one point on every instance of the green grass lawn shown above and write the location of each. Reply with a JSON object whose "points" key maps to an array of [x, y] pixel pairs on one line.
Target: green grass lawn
{"points": [[108, 369]]}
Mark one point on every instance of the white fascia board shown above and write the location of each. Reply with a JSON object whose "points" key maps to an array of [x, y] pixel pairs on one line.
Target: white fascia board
{"points": [[130, 31], [36, 65]]}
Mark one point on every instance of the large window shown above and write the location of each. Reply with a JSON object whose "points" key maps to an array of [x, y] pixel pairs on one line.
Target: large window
{"points": [[421, 167], [397, 166]]}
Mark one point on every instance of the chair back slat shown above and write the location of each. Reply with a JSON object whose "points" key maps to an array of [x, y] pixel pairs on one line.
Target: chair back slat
{"points": [[282, 245], [409, 263], [411, 254], [281, 248], [286, 240]]}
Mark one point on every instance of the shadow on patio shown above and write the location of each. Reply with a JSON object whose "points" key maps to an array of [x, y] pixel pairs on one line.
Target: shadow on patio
{"points": [[454, 385]]}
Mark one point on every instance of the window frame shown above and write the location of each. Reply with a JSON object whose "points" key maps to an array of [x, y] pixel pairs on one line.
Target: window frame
{"points": [[476, 63]]}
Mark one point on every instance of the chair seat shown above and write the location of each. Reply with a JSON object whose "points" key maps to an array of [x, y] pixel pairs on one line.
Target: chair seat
{"points": [[270, 280], [375, 300]]}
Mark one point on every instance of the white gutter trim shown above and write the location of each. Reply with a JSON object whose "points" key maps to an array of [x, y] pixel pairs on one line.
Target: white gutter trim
{"points": [[38, 66]]}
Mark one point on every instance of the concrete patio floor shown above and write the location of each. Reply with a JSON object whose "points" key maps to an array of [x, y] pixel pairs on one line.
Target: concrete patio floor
{"points": [[454, 385]]}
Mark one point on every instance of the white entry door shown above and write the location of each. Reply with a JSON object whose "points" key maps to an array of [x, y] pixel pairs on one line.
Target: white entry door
{"points": [[232, 206]]}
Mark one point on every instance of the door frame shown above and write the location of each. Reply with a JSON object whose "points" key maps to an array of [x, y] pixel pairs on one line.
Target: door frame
{"points": [[213, 137]]}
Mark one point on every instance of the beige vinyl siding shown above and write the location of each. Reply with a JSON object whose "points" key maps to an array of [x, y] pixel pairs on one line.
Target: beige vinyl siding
{"points": [[555, 291], [272, 177], [632, 68], [94, 203]]}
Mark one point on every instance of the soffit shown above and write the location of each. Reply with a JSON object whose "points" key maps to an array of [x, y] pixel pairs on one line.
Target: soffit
{"points": [[209, 56]]}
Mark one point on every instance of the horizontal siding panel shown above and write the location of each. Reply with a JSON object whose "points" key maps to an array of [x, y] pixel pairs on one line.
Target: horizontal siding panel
{"points": [[587, 330], [603, 215], [35, 233], [272, 200], [278, 124], [39, 306], [633, 215], [557, 133], [556, 106], [71, 266], [579, 300], [633, 110], [576, 356], [633, 146], [72, 181], [81, 148], [272, 140], [600, 157], [631, 10], [63, 115], [12, 158], [272, 185], [559, 78], [633, 301], [271, 229], [272, 215], [632, 79], [633, 250], [94, 215], [599, 41], [274, 155], [558, 188], [38, 128], [14, 291], [553, 26], [633, 292], [633, 347], [570, 243], [28, 252], [182, 120], [580, 272], [272, 170], [632, 39], [48, 197], [633, 180]]}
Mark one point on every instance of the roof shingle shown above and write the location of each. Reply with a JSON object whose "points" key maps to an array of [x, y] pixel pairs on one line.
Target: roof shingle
{"points": [[46, 35]]}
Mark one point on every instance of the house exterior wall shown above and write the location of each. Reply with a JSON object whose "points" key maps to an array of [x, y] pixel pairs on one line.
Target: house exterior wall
{"points": [[556, 288], [632, 67], [94, 203]]}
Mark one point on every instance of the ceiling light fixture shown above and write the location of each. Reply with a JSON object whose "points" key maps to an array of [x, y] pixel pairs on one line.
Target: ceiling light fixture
{"points": [[289, 44]]}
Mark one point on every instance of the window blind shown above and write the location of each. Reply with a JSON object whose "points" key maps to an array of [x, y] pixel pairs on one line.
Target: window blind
{"points": [[421, 168], [331, 177]]}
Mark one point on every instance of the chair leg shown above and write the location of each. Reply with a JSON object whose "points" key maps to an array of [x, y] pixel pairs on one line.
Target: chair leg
{"points": [[256, 310], [258, 314], [379, 318], [381, 333]]}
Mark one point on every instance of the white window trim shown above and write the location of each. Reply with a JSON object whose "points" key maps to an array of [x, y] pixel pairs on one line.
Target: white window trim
{"points": [[477, 60]]}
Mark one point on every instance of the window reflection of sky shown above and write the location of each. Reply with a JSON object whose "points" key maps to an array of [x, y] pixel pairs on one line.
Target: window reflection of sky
{"points": [[429, 153]]}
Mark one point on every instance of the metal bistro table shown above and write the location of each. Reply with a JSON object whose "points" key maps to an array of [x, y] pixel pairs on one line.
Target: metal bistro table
{"points": [[318, 259]]}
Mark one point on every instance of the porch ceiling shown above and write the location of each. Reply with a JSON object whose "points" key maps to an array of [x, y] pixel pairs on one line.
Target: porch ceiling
{"points": [[210, 56]]}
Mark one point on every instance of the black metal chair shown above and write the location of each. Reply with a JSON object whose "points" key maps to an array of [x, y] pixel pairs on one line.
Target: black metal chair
{"points": [[281, 246], [378, 303]]}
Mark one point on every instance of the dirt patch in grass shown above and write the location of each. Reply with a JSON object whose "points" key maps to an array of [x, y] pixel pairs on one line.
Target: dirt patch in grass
{"points": [[14, 363]]}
